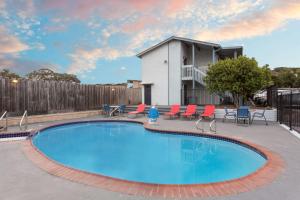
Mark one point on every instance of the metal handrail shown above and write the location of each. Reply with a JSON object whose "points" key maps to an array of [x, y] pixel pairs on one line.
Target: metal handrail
{"points": [[213, 128], [25, 115], [6, 121], [198, 123], [212, 125]]}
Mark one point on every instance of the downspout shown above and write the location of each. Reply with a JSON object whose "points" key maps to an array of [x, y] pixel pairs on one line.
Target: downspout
{"points": [[193, 73], [181, 84], [168, 73], [213, 55]]}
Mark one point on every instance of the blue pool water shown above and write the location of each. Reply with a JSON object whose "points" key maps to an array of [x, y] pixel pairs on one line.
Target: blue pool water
{"points": [[127, 151]]}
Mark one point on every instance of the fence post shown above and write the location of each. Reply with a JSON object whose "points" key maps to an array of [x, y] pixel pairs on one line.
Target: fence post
{"points": [[291, 110], [278, 107]]}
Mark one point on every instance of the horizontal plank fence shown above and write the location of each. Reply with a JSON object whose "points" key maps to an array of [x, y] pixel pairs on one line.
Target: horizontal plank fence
{"points": [[41, 97]]}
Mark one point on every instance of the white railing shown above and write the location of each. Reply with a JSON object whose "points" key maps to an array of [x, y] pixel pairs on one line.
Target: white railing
{"points": [[187, 74], [6, 123], [25, 116]]}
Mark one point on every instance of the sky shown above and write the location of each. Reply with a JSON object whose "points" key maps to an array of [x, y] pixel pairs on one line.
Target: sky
{"points": [[98, 39]]}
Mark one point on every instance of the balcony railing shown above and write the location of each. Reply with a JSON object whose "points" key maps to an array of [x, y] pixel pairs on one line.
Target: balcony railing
{"points": [[187, 74]]}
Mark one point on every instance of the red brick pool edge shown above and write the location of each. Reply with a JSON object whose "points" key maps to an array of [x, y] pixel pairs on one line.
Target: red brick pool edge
{"points": [[262, 176]]}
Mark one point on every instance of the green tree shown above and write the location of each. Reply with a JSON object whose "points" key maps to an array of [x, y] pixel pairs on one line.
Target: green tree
{"points": [[286, 77], [47, 74], [5, 73], [241, 77]]}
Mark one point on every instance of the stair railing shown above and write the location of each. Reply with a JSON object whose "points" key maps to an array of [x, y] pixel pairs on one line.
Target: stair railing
{"points": [[4, 115], [25, 116]]}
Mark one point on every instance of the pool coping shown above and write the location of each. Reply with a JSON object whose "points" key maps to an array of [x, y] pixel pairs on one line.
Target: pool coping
{"points": [[264, 175]]}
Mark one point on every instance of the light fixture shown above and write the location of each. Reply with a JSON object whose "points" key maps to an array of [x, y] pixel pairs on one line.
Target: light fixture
{"points": [[15, 80], [113, 89]]}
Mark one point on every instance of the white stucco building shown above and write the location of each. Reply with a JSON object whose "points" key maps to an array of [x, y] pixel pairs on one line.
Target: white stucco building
{"points": [[173, 70]]}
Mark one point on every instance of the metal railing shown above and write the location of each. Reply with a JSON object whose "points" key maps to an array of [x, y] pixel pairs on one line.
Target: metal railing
{"points": [[288, 109], [4, 115], [25, 116], [212, 126]]}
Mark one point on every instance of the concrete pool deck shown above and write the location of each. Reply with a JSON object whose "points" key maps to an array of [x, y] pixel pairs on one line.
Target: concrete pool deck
{"points": [[22, 179]]}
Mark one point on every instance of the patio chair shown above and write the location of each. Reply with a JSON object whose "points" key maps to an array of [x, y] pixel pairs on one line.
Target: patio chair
{"points": [[209, 111], [260, 115], [191, 110], [229, 114], [140, 110], [122, 108], [106, 110], [175, 111], [153, 115], [243, 113]]}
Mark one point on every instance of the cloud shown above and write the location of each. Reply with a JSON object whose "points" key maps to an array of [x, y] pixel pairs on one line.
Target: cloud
{"points": [[85, 60], [10, 43], [23, 66], [256, 24], [39, 46]]}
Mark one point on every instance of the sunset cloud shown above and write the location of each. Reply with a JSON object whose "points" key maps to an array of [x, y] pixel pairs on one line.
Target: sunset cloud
{"points": [[10, 43], [256, 24], [85, 60]]}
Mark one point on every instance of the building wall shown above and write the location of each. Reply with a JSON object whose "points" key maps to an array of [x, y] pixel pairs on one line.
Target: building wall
{"points": [[155, 70], [166, 76], [175, 63]]}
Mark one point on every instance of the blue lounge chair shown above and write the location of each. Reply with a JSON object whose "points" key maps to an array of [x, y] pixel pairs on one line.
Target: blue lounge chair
{"points": [[229, 114], [153, 115], [243, 113]]}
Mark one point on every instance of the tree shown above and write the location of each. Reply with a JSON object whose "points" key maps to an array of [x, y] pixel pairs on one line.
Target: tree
{"points": [[286, 77], [47, 74], [5, 73], [241, 77]]}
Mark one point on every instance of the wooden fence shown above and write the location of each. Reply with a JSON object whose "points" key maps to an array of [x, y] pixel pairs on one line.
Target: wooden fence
{"points": [[38, 97]]}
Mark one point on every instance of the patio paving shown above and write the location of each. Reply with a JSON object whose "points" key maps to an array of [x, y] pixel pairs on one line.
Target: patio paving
{"points": [[21, 179]]}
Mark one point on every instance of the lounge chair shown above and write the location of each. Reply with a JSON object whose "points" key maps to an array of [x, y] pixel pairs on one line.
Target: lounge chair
{"points": [[259, 115], [153, 115], [229, 114], [243, 113], [209, 111], [140, 110], [190, 111], [106, 110], [175, 111]]}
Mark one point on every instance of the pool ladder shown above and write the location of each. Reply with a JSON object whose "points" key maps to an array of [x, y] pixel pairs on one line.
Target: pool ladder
{"points": [[212, 126], [25, 116], [4, 116]]}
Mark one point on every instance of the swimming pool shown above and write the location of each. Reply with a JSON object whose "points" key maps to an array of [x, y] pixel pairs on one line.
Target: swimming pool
{"points": [[128, 151]]}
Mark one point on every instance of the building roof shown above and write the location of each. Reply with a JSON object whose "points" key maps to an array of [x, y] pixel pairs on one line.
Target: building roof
{"points": [[131, 81], [185, 40]]}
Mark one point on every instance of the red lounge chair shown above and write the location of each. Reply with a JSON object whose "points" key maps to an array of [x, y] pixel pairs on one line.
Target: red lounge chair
{"points": [[140, 110], [190, 111], [175, 110], [209, 111]]}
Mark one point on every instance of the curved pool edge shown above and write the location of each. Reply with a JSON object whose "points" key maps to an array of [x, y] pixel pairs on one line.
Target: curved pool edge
{"points": [[264, 175]]}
